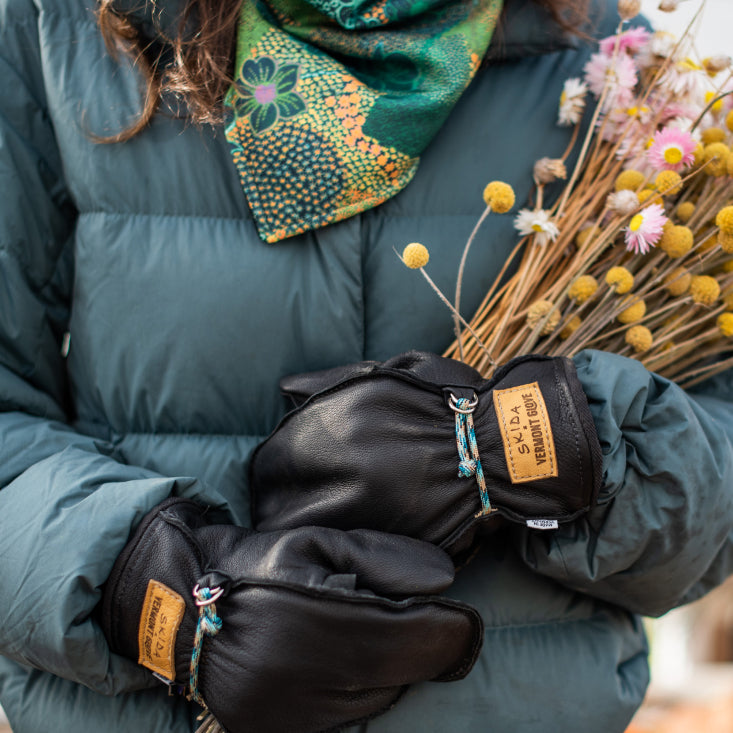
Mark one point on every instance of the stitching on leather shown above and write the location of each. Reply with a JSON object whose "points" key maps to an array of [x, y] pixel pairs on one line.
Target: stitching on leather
{"points": [[563, 390]]}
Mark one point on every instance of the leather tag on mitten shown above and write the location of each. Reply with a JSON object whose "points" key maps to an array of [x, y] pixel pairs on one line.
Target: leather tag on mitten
{"points": [[160, 620], [526, 431]]}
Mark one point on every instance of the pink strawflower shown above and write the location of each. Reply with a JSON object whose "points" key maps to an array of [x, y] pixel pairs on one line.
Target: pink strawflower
{"points": [[672, 149], [627, 132], [629, 41], [675, 114], [645, 229], [668, 110], [685, 124], [618, 73]]}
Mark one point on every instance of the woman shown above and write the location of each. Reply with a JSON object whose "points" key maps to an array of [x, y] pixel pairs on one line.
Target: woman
{"points": [[145, 325]]}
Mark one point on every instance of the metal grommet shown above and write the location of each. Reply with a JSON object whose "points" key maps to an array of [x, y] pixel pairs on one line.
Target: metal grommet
{"points": [[216, 593], [453, 404]]}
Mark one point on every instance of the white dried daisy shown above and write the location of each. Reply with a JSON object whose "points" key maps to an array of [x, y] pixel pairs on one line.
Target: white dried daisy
{"points": [[661, 45], [536, 222], [623, 202], [687, 80], [572, 102], [686, 124]]}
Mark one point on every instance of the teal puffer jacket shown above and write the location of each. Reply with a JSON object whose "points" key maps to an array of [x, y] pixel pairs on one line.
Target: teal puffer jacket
{"points": [[181, 321]]}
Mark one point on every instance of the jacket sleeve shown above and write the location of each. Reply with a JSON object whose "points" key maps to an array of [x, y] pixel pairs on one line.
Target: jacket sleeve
{"points": [[67, 505], [662, 532]]}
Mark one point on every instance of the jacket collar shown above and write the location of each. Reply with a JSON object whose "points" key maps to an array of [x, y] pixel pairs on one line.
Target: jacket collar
{"points": [[526, 29], [155, 17]]}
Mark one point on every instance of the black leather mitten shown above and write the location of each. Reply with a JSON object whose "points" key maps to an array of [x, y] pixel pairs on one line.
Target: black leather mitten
{"points": [[377, 445], [297, 631]]}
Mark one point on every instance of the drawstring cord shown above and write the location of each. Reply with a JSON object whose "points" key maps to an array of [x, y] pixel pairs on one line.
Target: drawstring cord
{"points": [[470, 463], [209, 624], [210, 724]]}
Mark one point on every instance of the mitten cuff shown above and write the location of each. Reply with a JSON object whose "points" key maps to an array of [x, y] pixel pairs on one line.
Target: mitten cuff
{"points": [[148, 613]]}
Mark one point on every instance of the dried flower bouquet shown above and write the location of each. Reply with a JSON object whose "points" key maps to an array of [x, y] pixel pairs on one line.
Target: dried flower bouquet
{"points": [[636, 255]]}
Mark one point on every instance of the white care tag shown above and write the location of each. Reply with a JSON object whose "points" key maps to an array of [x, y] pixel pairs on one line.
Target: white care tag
{"points": [[542, 523]]}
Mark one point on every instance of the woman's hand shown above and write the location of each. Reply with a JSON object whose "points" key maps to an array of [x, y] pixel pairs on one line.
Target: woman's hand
{"points": [[378, 445], [304, 630]]}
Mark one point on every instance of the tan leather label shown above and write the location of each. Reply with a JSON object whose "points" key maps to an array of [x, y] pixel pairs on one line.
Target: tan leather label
{"points": [[525, 427], [159, 621]]}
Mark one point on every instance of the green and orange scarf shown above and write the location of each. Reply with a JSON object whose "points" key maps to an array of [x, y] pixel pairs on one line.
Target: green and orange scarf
{"points": [[335, 100]]}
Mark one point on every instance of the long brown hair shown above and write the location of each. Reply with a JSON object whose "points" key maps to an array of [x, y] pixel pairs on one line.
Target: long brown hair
{"points": [[198, 67]]}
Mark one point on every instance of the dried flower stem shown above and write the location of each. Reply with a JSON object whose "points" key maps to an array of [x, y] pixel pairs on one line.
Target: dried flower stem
{"points": [[459, 281], [695, 376], [457, 315], [587, 141]]}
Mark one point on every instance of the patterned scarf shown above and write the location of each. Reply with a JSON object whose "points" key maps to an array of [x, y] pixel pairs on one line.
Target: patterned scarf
{"points": [[335, 100]]}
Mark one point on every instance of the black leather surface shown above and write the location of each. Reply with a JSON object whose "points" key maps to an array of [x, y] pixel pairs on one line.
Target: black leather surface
{"points": [[320, 628], [373, 445]]}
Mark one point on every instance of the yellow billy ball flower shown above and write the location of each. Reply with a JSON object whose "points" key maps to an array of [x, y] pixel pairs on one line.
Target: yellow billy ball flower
{"points": [[727, 266], [647, 194], [582, 288], [685, 211], [725, 324], [676, 241], [712, 135], [726, 242], [668, 183], [699, 154], [704, 289], [570, 327], [724, 219], [582, 237], [639, 338], [415, 255], [716, 156], [630, 180], [499, 196], [729, 120], [538, 311], [678, 281], [620, 280], [634, 312]]}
